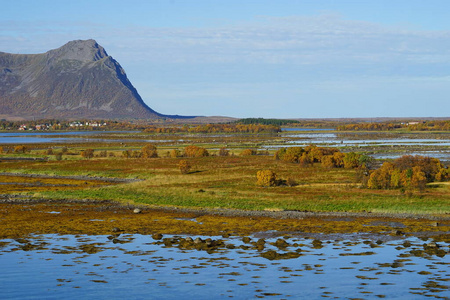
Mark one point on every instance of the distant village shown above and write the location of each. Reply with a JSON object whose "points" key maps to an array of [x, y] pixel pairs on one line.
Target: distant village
{"points": [[58, 126]]}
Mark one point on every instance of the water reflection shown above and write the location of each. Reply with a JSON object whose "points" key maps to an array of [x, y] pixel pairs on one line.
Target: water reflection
{"points": [[170, 267], [51, 137], [442, 155], [332, 139]]}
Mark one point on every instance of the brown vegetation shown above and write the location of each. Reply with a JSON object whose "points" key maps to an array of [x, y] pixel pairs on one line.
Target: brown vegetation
{"points": [[88, 153], [195, 151], [266, 178], [20, 149], [247, 152], [224, 152], [184, 166], [149, 151]]}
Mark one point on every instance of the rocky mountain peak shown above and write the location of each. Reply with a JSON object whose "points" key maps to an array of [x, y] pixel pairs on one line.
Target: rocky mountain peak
{"points": [[81, 50], [77, 80]]}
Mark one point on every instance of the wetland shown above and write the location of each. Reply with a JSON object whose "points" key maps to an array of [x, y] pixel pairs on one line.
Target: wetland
{"points": [[117, 224]]}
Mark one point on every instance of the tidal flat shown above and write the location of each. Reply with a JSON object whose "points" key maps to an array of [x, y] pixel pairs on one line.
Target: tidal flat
{"points": [[103, 250]]}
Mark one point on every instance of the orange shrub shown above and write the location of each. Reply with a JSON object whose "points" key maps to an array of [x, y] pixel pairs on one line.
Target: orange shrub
{"points": [[21, 149], [195, 151], [248, 152], [149, 151], [223, 152], [88, 153], [184, 166], [266, 178], [126, 153], [174, 153], [410, 172]]}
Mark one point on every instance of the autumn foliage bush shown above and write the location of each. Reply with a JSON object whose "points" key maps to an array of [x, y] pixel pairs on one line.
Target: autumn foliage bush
{"points": [[328, 157], [149, 151], [184, 166], [224, 152], [126, 153], [20, 149], [88, 153], [248, 152], [195, 151], [291, 154], [174, 153], [266, 178], [408, 172]]}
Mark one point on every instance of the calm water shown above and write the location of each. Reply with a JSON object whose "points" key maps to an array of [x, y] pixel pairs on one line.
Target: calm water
{"points": [[292, 137], [43, 137], [139, 267], [442, 155], [330, 139]]}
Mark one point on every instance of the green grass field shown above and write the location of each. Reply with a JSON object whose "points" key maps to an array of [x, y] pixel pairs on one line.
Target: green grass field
{"points": [[229, 182]]}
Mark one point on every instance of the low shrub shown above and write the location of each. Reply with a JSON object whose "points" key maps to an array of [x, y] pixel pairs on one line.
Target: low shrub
{"points": [[195, 151], [174, 153], [20, 149], [248, 152], [149, 151], [88, 153], [266, 178], [184, 166], [224, 152]]}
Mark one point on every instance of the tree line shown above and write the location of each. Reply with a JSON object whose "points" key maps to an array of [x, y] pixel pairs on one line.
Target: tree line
{"points": [[387, 126], [262, 121], [216, 128], [327, 157]]}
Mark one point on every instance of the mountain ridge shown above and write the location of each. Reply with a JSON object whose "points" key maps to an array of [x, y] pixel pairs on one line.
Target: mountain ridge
{"points": [[76, 80]]}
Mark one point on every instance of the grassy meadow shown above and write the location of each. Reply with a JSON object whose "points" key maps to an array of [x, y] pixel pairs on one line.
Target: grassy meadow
{"points": [[216, 182]]}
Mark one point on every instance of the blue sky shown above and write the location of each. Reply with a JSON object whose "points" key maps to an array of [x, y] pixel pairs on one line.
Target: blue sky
{"points": [[280, 58]]}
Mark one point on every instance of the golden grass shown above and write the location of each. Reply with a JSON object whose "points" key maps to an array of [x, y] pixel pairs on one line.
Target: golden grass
{"points": [[94, 219]]}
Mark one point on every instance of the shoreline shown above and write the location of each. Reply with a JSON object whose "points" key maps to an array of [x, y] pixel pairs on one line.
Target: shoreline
{"points": [[274, 214], [22, 217]]}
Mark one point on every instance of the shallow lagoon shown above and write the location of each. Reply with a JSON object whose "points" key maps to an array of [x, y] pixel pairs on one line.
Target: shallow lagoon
{"points": [[45, 137], [139, 267]]}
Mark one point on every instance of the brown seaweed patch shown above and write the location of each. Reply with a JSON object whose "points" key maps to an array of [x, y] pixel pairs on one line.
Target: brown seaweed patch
{"points": [[90, 248], [273, 255], [357, 254]]}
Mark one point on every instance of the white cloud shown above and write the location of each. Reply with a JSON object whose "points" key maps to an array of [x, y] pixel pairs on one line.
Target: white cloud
{"points": [[317, 40], [285, 65]]}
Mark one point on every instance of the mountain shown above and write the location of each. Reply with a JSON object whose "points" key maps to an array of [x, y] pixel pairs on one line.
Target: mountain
{"points": [[78, 80]]}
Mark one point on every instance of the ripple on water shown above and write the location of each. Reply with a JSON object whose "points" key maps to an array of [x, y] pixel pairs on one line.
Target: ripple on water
{"points": [[201, 267]]}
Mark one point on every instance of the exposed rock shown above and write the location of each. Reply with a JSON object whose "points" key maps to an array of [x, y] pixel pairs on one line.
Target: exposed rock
{"points": [[432, 245], [246, 239], [77, 80], [157, 236]]}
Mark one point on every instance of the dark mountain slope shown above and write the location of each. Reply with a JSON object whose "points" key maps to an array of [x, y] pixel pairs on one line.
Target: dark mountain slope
{"points": [[78, 80]]}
